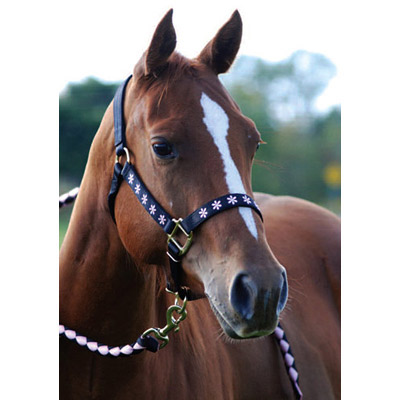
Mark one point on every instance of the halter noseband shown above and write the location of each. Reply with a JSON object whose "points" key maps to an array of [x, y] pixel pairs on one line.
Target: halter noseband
{"points": [[170, 225]]}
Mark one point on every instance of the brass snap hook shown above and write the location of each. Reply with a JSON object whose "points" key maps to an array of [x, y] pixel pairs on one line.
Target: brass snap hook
{"points": [[172, 323]]}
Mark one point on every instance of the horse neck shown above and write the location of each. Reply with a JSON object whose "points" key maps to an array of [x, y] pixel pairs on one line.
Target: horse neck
{"points": [[104, 293]]}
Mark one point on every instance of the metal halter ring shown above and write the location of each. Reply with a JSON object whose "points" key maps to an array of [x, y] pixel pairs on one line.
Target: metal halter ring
{"points": [[183, 249], [127, 156]]}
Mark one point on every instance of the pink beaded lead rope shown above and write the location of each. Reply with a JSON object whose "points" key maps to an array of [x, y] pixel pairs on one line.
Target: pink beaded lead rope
{"points": [[151, 344], [68, 198], [143, 343], [291, 369]]}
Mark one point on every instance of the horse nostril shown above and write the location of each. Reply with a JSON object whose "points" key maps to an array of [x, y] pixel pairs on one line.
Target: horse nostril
{"points": [[243, 295], [284, 294]]}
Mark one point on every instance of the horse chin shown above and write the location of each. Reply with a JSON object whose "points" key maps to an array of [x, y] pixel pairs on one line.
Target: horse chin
{"points": [[231, 332]]}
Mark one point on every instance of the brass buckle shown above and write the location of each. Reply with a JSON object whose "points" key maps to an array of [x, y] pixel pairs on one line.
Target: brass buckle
{"points": [[183, 249]]}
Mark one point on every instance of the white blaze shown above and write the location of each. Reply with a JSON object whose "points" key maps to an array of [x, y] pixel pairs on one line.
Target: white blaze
{"points": [[217, 123]]}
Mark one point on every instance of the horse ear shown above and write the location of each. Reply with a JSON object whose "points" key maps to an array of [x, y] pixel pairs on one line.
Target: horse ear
{"points": [[221, 51], [162, 45]]}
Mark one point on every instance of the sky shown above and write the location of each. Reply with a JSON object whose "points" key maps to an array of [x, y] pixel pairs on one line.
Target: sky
{"points": [[96, 39]]}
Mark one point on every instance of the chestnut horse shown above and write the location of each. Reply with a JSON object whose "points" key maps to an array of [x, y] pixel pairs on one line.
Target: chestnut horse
{"points": [[190, 143]]}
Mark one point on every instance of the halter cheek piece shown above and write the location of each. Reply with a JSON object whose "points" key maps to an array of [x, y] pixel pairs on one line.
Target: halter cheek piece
{"points": [[170, 225]]}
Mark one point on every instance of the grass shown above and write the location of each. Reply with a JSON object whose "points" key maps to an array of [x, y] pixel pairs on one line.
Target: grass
{"points": [[333, 205]]}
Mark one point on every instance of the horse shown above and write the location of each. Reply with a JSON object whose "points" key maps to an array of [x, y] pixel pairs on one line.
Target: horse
{"points": [[190, 143]]}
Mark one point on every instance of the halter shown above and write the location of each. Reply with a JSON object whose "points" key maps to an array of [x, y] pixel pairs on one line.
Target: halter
{"points": [[170, 225]]}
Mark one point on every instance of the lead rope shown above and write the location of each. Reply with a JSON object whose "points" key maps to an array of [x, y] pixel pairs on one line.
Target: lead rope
{"points": [[68, 198], [288, 357], [143, 343], [147, 342]]}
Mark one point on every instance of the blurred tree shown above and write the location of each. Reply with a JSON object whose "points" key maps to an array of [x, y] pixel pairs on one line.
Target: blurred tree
{"points": [[280, 98], [81, 109], [286, 90]]}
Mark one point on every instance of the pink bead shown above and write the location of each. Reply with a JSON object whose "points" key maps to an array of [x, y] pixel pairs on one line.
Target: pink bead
{"points": [[293, 373], [103, 350], [284, 346], [289, 360], [92, 346], [279, 333], [70, 334], [81, 340], [115, 351], [127, 350]]}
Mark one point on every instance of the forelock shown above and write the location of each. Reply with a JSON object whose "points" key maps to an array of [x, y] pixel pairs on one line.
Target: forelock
{"points": [[177, 67]]}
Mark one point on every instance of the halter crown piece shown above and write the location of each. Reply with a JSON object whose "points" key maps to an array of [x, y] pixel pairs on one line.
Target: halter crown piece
{"points": [[170, 225]]}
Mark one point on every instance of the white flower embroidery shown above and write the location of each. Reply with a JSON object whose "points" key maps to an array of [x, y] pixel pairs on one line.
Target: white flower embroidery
{"points": [[152, 209], [246, 199], [162, 219], [137, 188], [232, 199], [144, 199], [130, 178], [216, 205], [203, 212]]}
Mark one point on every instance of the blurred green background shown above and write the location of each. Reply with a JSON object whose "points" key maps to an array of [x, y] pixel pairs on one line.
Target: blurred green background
{"points": [[302, 154]]}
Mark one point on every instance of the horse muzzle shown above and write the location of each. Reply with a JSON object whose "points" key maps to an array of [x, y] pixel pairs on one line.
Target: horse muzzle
{"points": [[253, 307]]}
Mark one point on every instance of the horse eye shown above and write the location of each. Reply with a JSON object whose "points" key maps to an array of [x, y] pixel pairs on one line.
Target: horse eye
{"points": [[258, 146], [163, 149]]}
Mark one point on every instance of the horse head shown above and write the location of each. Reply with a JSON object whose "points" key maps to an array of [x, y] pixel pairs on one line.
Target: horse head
{"points": [[190, 143]]}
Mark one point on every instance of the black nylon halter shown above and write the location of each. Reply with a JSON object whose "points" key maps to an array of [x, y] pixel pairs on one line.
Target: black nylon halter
{"points": [[170, 225]]}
